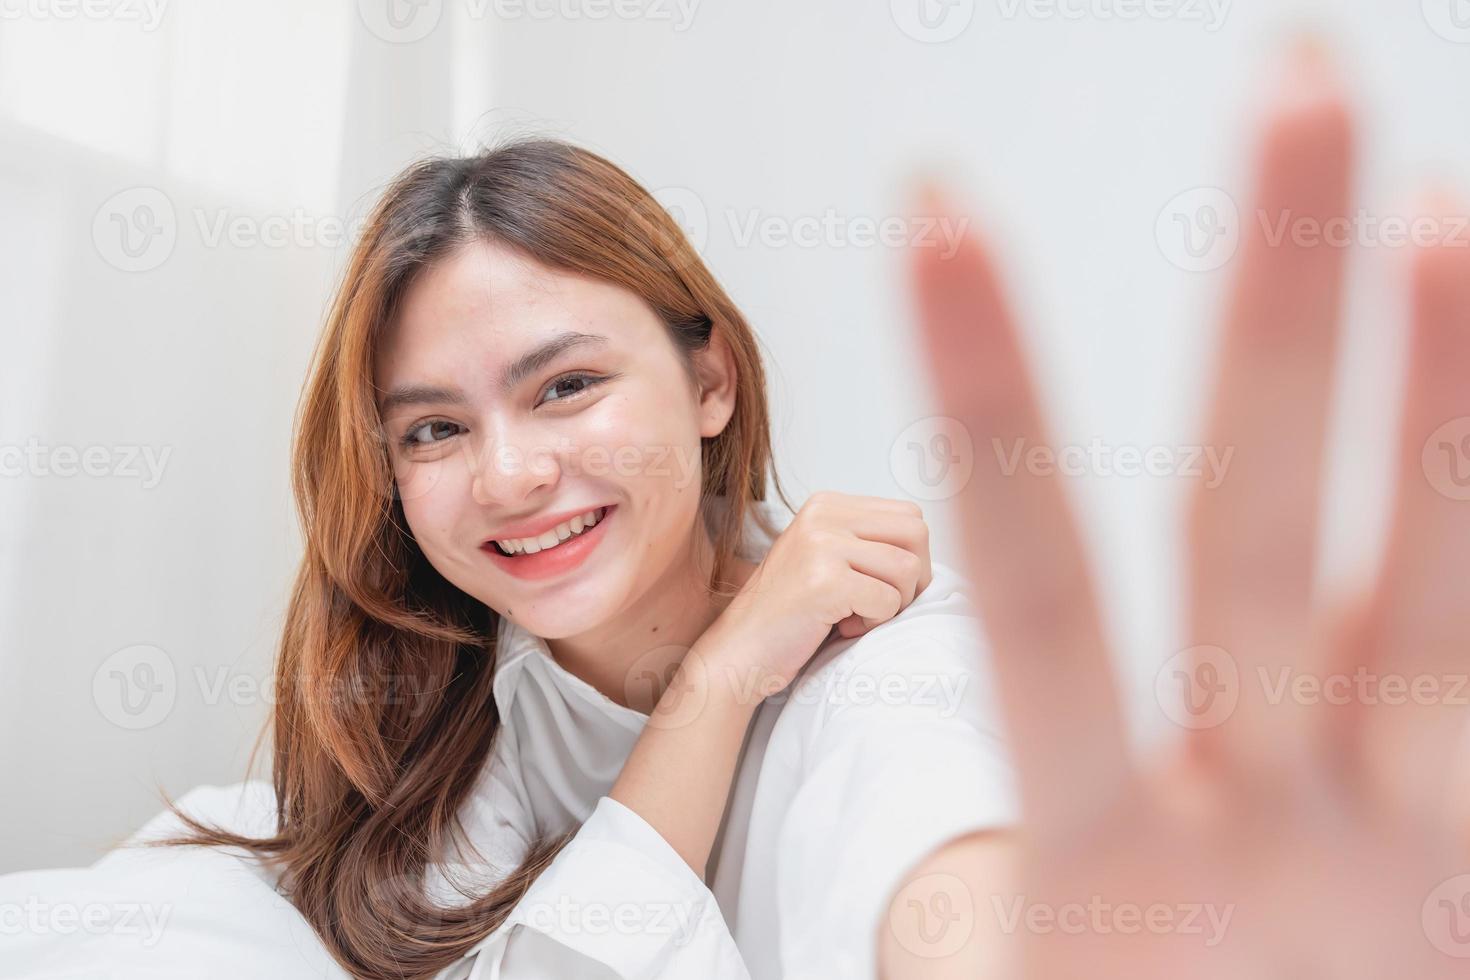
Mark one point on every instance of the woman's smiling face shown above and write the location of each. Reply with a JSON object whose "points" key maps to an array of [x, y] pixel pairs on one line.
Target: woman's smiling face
{"points": [[512, 394]]}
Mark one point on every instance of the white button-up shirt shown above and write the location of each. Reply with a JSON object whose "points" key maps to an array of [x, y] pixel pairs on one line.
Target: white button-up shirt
{"points": [[885, 747]]}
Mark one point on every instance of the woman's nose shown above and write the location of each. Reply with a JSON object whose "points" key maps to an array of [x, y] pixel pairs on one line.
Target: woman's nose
{"points": [[510, 471]]}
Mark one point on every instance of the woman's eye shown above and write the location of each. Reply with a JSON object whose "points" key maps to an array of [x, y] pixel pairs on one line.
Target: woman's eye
{"points": [[411, 437], [569, 386]]}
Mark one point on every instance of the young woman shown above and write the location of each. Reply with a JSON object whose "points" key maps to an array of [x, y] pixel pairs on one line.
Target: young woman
{"points": [[1331, 840], [560, 692]]}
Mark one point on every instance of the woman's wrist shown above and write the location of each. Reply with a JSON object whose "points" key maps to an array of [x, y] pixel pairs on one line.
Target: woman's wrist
{"points": [[722, 669]]}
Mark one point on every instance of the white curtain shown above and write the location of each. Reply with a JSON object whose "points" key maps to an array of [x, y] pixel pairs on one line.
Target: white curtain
{"points": [[176, 194]]}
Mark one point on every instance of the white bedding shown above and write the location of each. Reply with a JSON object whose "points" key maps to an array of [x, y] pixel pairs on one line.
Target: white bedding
{"points": [[162, 912]]}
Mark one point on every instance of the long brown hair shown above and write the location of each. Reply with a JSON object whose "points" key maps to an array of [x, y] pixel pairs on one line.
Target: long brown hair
{"points": [[384, 714]]}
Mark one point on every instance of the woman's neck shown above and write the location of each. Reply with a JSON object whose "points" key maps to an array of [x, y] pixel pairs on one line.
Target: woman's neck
{"points": [[632, 659]]}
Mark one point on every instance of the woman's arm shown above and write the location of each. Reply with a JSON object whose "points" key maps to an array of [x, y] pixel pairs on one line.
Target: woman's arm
{"points": [[844, 561], [679, 773], [617, 901], [946, 920]]}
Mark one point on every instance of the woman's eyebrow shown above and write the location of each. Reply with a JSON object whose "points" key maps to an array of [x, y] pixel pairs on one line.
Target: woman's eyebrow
{"points": [[527, 364], [534, 360]]}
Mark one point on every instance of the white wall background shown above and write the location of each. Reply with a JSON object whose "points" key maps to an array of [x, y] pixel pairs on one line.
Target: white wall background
{"points": [[1071, 124]]}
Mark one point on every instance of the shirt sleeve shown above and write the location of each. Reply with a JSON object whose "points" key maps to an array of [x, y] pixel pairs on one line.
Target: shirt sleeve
{"points": [[908, 755], [616, 903]]}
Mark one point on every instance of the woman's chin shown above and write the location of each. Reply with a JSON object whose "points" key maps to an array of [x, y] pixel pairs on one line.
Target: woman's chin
{"points": [[577, 609]]}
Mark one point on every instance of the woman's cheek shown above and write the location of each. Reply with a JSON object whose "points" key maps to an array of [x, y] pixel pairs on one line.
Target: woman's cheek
{"points": [[434, 493], [418, 481], [631, 440]]}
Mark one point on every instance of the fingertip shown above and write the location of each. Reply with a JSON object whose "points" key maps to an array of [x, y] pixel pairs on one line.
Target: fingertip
{"points": [[926, 195], [1309, 115], [1440, 241], [928, 205], [1307, 73], [1309, 61]]}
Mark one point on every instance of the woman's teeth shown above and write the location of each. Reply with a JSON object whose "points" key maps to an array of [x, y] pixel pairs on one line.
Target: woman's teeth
{"points": [[552, 538]]}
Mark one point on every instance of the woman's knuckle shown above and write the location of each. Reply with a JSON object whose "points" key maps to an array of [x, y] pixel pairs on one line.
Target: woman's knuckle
{"points": [[923, 530]]}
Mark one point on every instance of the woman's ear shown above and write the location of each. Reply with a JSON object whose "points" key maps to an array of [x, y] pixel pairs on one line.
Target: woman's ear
{"points": [[714, 369]]}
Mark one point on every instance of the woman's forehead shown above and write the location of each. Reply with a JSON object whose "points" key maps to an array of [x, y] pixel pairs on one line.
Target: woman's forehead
{"points": [[487, 305]]}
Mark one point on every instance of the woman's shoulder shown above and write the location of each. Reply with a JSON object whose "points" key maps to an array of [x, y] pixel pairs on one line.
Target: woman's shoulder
{"points": [[931, 660], [940, 627]]}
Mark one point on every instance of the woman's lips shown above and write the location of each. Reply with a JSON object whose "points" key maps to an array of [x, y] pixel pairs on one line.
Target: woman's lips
{"points": [[553, 561]]}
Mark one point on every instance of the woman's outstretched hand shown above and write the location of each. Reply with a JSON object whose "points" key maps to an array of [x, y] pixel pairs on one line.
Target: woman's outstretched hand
{"points": [[1307, 827]]}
